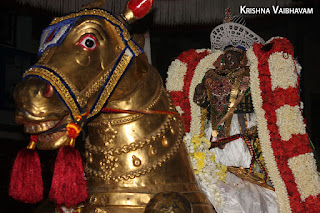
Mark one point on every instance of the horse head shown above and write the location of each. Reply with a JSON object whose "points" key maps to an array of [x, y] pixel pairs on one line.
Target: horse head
{"points": [[88, 61], [82, 58]]}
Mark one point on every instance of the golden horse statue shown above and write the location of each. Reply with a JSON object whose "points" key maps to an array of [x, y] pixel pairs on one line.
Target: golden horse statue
{"points": [[135, 154]]}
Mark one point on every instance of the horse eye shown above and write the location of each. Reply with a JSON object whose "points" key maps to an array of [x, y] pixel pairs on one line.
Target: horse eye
{"points": [[88, 42]]}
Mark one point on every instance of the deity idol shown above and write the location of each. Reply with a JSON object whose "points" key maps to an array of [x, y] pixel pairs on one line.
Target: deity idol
{"points": [[241, 100]]}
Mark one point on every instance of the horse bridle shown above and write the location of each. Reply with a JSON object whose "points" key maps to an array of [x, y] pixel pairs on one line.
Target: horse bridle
{"points": [[54, 36]]}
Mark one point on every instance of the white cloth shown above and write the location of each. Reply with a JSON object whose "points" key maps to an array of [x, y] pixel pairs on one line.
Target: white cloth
{"points": [[235, 153], [147, 46], [241, 196]]}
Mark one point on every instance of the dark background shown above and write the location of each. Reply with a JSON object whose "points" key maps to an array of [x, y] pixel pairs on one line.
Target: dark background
{"points": [[21, 27]]}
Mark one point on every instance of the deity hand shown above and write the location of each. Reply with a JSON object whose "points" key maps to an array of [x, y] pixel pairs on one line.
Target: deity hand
{"points": [[200, 96]]}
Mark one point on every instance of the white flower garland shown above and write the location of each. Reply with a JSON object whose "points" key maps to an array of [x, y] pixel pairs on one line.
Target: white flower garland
{"points": [[207, 171], [264, 136], [304, 169], [282, 70], [202, 50], [176, 72], [296, 126]]}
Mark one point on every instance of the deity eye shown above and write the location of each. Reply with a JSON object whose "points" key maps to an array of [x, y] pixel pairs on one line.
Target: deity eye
{"points": [[88, 42]]}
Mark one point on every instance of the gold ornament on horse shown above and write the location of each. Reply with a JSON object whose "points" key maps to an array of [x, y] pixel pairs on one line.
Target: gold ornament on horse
{"points": [[92, 73]]}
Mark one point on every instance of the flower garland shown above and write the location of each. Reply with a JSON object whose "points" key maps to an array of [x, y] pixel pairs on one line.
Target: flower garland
{"points": [[192, 65], [285, 146], [204, 115], [206, 170], [180, 73]]}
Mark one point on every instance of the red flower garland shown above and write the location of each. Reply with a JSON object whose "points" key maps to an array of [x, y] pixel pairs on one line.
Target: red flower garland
{"points": [[298, 144], [181, 98]]}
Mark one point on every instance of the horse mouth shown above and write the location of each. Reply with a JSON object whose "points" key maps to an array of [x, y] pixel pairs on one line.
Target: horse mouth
{"points": [[35, 128], [42, 129], [51, 133]]}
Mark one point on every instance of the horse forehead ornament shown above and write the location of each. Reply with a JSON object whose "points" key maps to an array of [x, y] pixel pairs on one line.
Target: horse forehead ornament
{"points": [[135, 152]]}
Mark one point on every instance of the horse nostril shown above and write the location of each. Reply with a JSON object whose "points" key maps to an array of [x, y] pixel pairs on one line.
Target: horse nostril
{"points": [[48, 91]]}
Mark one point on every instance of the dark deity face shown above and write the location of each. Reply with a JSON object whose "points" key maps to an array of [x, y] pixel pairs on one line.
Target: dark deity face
{"points": [[232, 59]]}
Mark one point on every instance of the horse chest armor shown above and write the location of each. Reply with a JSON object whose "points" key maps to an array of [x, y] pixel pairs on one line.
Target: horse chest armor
{"points": [[128, 151]]}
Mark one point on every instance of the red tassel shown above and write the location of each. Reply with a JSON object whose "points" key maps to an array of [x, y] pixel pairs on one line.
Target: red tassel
{"points": [[68, 186], [26, 182]]}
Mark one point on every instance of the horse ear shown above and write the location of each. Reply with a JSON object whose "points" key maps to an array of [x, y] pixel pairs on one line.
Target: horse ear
{"points": [[94, 4], [136, 9]]}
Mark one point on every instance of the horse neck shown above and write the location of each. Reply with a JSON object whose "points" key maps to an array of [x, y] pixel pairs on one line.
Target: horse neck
{"points": [[139, 89], [128, 154], [123, 146]]}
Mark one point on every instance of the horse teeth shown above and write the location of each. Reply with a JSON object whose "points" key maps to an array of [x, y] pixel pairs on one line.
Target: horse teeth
{"points": [[43, 126], [47, 125], [52, 123], [39, 127], [32, 128]]}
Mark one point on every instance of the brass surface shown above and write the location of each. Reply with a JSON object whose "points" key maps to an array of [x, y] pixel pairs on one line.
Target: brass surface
{"points": [[146, 155], [128, 15], [39, 114], [169, 202], [129, 157], [32, 145], [72, 142]]}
